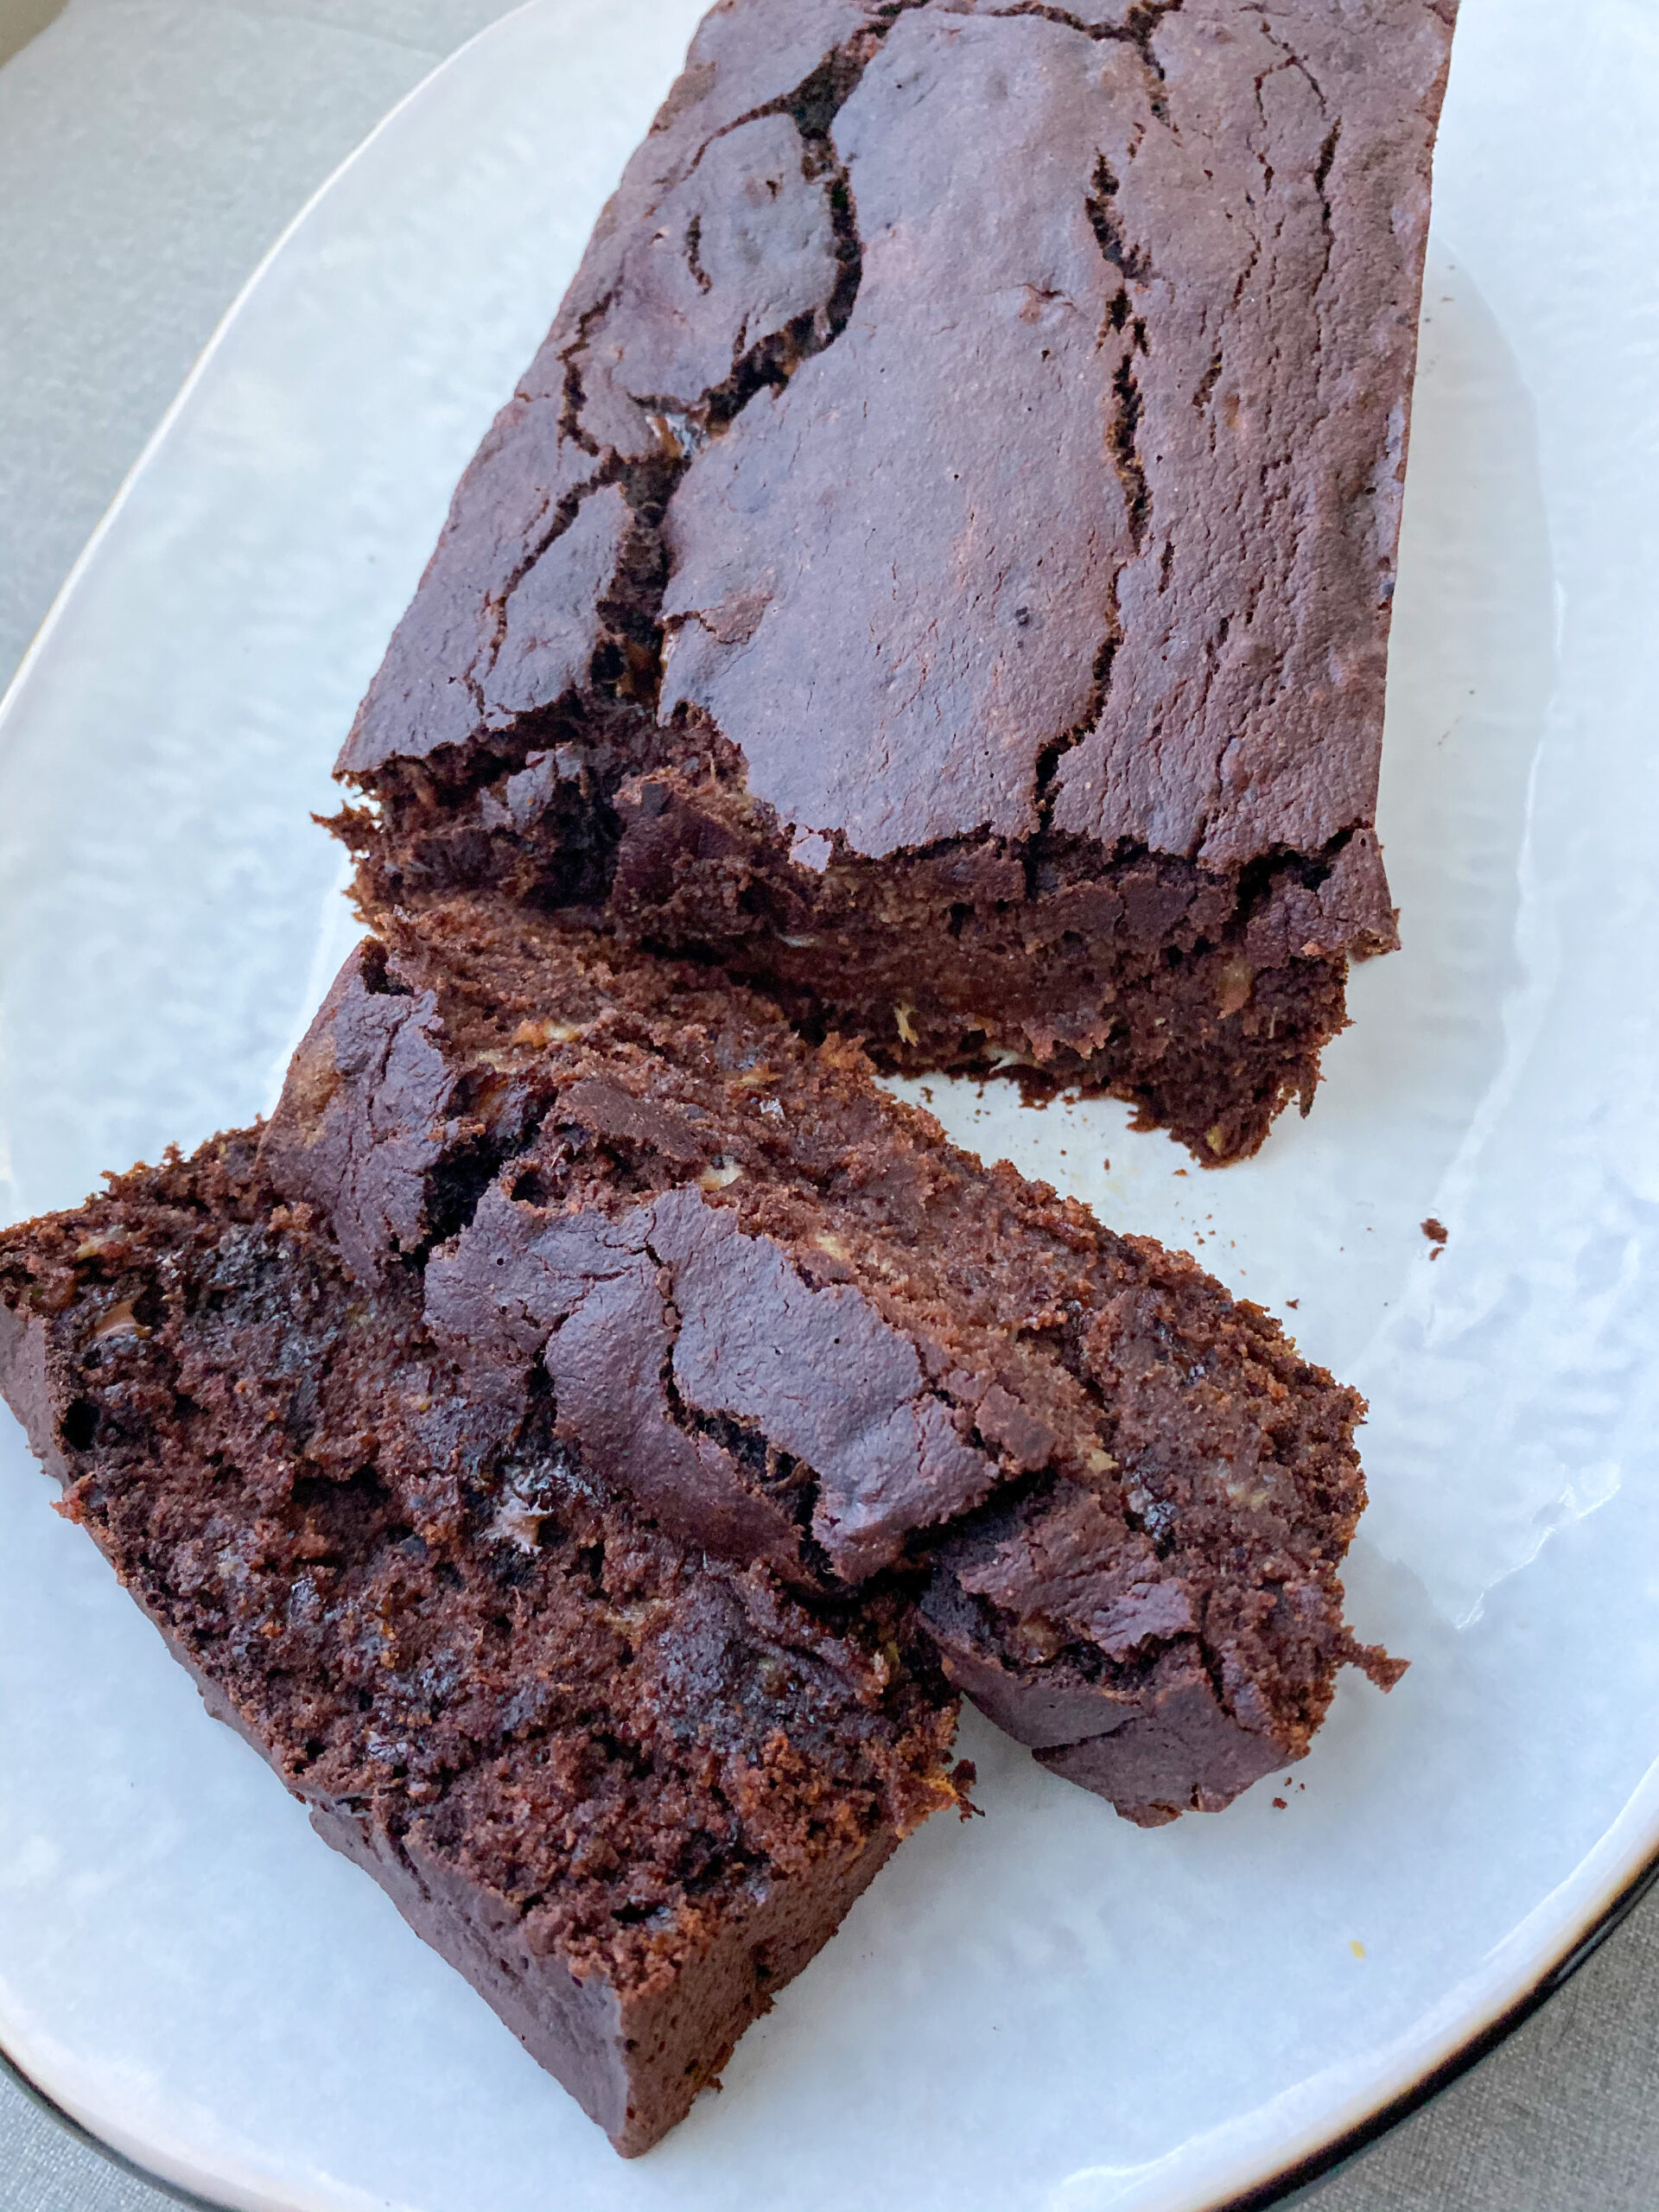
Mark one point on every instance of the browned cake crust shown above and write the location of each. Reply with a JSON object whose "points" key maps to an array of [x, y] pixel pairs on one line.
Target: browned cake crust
{"points": [[937, 569], [939, 563], [796, 1325], [626, 1791]]}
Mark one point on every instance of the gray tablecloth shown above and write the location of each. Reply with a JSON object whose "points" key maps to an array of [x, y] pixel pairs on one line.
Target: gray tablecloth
{"points": [[149, 152]]}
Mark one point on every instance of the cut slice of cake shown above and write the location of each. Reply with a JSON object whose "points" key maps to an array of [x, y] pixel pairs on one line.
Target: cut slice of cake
{"points": [[939, 563], [797, 1326], [627, 1791]]}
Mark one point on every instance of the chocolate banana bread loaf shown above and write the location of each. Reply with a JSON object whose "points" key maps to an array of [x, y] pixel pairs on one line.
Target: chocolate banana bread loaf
{"points": [[627, 1791], [939, 563], [797, 1326]]}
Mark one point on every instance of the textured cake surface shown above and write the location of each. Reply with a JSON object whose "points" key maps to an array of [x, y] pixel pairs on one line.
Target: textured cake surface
{"points": [[627, 1790], [926, 605], [940, 560], [795, 1325]]}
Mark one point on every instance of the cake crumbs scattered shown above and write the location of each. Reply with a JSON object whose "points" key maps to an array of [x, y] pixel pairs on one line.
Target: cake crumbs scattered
{"points": [[1357, 1947], [1280, 1805], [1436, 1233]]}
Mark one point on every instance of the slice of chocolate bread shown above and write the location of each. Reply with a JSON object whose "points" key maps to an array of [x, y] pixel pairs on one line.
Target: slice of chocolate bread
{"points": [[628, 1793], [798, 1327], [939, 563]]}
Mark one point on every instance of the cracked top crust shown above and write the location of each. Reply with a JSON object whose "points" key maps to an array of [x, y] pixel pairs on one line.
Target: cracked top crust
{"points": [[992, 419], [780, 1314], [612, 1772]]}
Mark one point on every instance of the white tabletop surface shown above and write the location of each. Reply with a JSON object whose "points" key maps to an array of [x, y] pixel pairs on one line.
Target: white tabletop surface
{"points": [[150, 150]]}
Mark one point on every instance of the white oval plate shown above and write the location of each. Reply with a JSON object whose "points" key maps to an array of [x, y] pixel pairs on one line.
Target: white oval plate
{"points": [[1047, 2007]]}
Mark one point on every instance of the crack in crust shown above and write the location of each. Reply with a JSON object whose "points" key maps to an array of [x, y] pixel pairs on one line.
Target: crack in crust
{"points": [[1134, 266], [1136, 29], [686, 430]]}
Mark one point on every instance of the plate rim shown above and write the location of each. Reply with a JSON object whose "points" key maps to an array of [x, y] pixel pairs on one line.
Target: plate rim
{"points": [[1280, 2185], [216, 338], [1278, 2188]]}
